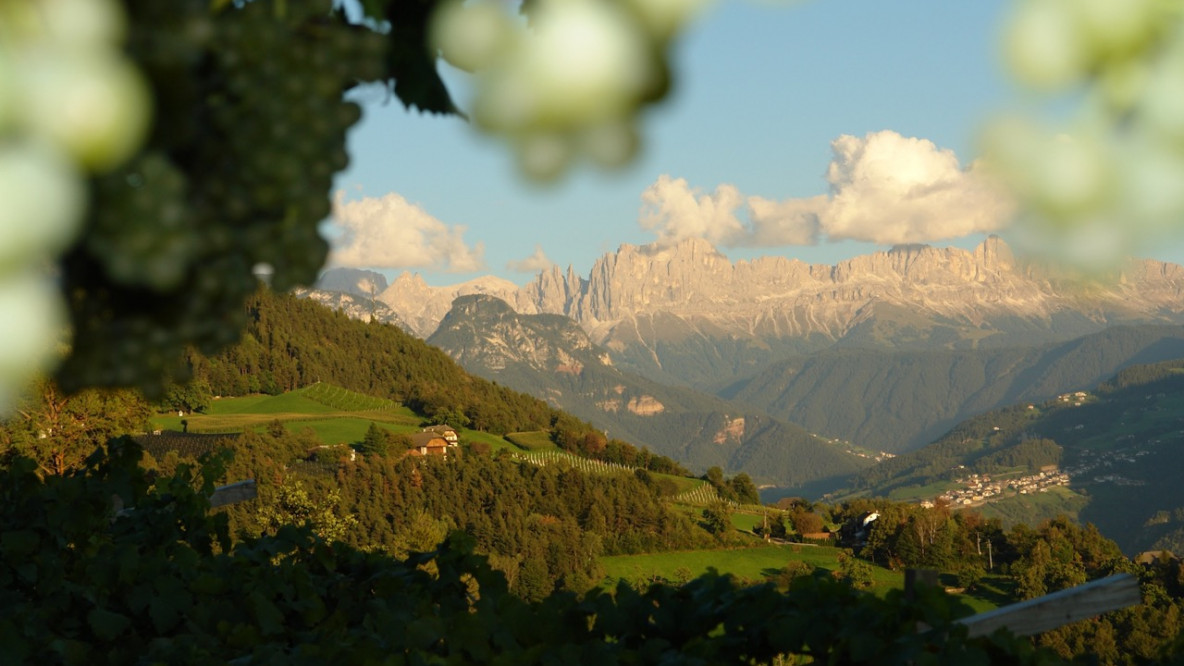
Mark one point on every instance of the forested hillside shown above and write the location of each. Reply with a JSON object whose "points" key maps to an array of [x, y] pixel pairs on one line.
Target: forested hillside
{"points": [[544, 527], [1121, 443], [901, 401], [261, 577], [290, 343], [551, 357]]}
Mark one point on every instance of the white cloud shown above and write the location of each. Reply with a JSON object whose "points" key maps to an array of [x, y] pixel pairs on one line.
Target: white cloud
{"points": [[889, 189], [789, 222], [884, 188], [532, 264], [390, 232], [675, 212]]}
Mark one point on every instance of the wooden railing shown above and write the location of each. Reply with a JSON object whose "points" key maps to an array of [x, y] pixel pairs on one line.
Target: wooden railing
{"points": [[222, 495], [233, 493], [1045, 613]]}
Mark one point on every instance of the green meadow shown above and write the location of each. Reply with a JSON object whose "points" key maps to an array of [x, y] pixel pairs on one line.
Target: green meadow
{"points": [[335, 415], [755, 564], [752, 564], [538, 440]]}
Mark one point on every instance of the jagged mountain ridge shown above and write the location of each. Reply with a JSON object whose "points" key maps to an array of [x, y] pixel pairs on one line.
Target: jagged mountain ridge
{"points": [[355, 281], [551, 357], [688, 314], [353, 306]]}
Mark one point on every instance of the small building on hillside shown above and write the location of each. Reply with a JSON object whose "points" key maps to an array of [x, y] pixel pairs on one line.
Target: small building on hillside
{"points": [[429, 444], [445, 431]]}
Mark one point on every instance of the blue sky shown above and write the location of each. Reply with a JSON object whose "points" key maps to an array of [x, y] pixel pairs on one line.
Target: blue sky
{"points": [[762, 91]]}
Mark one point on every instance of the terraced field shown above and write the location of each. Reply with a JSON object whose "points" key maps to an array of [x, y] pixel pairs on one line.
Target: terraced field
{"points": [[335, 414]]}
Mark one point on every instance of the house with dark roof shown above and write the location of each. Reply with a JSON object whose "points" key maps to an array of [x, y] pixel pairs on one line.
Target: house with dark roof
{"points": [[429, 444], [445, 431]]}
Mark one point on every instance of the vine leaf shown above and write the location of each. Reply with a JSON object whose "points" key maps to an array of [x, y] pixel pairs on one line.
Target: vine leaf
{"points": [[107, 625], [411, 62]]}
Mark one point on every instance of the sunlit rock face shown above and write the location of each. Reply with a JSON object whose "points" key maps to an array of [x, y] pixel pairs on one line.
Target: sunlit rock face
{"points": [[686, 313]]}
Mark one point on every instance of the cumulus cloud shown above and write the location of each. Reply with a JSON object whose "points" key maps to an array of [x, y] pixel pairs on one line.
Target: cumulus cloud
{"points": [[390, 232], [788, 222], [675, 211], [884, 188], [532, 264], [888, 189]]}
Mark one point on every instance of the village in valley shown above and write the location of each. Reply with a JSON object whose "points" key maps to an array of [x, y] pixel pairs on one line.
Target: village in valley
{"points": [[1091, 467], [977, 489]]}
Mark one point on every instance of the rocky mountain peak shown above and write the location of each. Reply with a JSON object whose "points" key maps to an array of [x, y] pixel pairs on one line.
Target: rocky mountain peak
{"points": [[994, 254], [642, 300], [422, 306], [352, 281], [485, 331], [479, 305]]}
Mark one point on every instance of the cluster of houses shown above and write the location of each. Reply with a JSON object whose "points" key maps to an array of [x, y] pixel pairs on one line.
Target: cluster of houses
{"points": [[1099, 467], [1077, 398], [878, 456], [980, 488]]}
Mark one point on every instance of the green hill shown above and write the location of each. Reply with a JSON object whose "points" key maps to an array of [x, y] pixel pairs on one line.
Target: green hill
{"points": [[1121, 443], [301, 361], [900, 401]]}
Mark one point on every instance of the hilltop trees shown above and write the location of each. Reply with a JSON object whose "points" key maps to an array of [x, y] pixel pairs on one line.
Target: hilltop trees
{"points": [[192, 396], [738, 489], [381, 442], [160, 223], [60, 430]]}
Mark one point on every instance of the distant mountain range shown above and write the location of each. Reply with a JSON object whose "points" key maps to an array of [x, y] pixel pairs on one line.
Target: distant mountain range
{"points": [[686, 314], [356, 306], [886, 351]]}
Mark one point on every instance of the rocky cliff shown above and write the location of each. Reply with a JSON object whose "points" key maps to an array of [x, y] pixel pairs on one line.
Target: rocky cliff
{"points": [[551, 357], [353, 306], [352, 281], [688, 314]]}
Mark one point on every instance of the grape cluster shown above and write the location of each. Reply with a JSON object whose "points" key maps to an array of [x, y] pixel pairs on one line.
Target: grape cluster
{"points": [[235, 176], [1110, 177], [70, 102], [571, 82]]}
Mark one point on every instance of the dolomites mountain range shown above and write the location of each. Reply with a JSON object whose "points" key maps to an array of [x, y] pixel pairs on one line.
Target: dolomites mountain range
{"points": [[883, 352], [687, 314]]}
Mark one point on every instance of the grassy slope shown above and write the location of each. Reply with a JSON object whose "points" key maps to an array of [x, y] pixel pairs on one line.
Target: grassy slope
{"points": [[756, 563], [339, 424], [750, 564], [538, 440], [1035, 508], [345, 419]]}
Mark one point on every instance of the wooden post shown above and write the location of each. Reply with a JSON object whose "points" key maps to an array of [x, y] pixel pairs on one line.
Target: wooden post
{"points": [[913, 577], [1059, 608]]}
